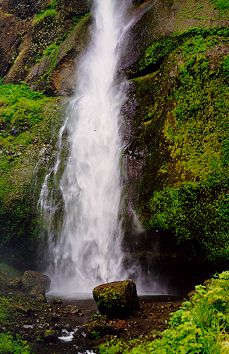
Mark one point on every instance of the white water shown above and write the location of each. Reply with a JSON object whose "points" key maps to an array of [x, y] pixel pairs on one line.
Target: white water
{"points": [[87, 249]]}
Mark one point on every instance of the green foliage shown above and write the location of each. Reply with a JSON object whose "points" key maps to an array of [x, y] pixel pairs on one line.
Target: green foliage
{"points": [[8, 270], [47, 13], [157, 51], [95, 334], [197, 213], [225, 66], [221, 4], [199, 326], [51, 51], [4, 309], [11, 345], [52, 4]]}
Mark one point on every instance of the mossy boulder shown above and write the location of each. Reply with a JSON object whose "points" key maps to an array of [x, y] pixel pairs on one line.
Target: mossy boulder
{"points": [[117, 299]]}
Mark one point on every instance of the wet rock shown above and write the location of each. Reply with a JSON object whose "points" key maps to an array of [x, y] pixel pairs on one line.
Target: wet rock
{"points": [[118, 299], [70, 309], [36, 284], [99, 328], [39, 293], [78, 7], [24, 310], [31, 279], [50, 335], [24, 8], [15, 283], [57, 301]]}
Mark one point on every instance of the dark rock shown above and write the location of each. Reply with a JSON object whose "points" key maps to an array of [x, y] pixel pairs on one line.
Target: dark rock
{"points": [[77, 7], [15, 283], [57, 301], [50, 335], [100, 327], [39, 293], [36, 284], [24, 8], [118, 299]]}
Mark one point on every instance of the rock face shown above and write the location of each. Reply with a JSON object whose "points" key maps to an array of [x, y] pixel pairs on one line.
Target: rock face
{"points": [[42, 41], [117, 299], [36, 284]]}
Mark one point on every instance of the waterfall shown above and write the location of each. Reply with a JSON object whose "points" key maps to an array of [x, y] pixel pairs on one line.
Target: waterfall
{"points": [[87, 248]]}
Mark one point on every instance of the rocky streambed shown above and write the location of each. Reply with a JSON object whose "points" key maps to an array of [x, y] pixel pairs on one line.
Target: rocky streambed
{"points": [[74, 326]]}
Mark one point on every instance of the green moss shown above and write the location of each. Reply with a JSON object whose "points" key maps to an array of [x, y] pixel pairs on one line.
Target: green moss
{"points": [[20, 108], [50, 55], [47, 13], [107, 297], [156, 52], [201, 39], [225, 66], [221, 4], [51, 51]]}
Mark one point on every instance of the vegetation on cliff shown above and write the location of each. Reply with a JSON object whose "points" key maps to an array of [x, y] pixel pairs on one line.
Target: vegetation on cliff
{"points": [[184, 135], [27, 118]]}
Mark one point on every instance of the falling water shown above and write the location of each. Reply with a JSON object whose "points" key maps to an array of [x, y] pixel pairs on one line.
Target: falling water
{"points": [[87, 250]]}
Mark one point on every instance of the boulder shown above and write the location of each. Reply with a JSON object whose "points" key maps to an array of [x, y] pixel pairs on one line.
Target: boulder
{"points": [[36, 284], [101, 327], [14, 283], [117, 299]]}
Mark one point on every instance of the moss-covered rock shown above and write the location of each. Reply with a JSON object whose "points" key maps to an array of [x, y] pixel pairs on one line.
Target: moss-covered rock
{"points": [[117, 299], [56, 64], [32, 50], [155, 20]]}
